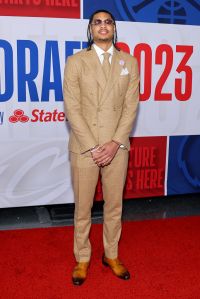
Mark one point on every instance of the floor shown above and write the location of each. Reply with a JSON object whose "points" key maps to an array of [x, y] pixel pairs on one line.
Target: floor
{"points": [[133, 209]]}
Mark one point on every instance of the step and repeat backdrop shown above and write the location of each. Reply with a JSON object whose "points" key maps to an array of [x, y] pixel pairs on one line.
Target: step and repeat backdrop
{"points": [[37, 36]]}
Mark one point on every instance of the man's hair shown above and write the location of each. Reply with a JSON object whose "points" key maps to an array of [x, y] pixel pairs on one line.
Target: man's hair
{"points": [[89, 35]]}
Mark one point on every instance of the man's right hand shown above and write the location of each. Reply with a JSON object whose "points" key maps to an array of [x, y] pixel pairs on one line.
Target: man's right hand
{"points": [[95, 153]]}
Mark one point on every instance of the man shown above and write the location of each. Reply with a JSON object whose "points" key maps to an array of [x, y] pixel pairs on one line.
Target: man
{"points": [[101, 98]]}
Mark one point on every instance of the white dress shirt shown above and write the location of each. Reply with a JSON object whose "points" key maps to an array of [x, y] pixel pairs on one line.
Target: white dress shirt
{"points": [[100, 53]]}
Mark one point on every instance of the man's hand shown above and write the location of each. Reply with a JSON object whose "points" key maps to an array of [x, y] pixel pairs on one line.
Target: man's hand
{"points": [[104, 155], [95, 154]]}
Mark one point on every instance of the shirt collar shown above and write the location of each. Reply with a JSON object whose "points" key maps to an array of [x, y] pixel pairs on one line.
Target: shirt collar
{"points": [[100, 51]]}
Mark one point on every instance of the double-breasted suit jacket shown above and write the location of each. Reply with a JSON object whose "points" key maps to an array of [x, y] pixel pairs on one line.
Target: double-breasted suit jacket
{"points": [[100, 110]]}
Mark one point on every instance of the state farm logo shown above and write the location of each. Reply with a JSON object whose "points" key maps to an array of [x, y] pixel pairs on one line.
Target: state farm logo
{"points": [[18, 116], [37, 115]]}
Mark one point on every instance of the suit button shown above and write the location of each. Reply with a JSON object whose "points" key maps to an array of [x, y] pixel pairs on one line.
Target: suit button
{"points": [[94, 125], [100, 126]]}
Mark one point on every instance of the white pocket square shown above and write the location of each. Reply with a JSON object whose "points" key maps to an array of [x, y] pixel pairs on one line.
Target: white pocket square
{"points": [[124, 72]]}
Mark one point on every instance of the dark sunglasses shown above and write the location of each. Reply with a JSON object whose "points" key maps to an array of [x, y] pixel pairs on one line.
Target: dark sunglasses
{"points": [[99, 22]]}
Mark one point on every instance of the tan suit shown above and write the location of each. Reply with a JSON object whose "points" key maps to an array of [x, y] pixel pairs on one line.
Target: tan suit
{"points": [[99, 111]]}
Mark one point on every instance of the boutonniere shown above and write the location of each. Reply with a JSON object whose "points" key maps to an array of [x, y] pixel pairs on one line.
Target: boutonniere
{"points": [[121, 62]]}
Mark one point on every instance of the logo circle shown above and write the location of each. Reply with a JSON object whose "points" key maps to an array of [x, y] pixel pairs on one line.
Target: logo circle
{"points": [[24, 118], [13, 119], [18, 112]]}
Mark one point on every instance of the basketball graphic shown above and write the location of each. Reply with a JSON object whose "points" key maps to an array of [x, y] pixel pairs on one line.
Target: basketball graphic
{"points": [[172, 12]]}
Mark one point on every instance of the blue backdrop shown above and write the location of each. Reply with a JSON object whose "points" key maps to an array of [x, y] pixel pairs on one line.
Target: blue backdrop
{"points": [[155, 11]]}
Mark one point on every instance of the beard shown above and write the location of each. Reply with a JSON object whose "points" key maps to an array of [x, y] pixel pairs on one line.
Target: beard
{"points": [[105, 39]]}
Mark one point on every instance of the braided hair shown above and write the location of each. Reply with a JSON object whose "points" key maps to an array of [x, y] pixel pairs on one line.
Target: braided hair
{"points": [[89, 35]]}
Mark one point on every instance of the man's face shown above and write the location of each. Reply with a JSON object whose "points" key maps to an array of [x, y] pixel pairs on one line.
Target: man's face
{"points": [[102, 27]]}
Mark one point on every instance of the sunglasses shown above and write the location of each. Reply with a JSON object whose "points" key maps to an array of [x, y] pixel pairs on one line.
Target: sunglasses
{"points": [[99, 22]]}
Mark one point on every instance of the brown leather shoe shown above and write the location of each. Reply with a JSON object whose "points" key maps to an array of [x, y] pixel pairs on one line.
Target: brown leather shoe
{"points": [[117, 267], [80, 273]]}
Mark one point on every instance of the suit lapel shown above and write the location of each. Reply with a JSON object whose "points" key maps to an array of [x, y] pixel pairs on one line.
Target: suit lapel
{"points": [[92, 60]]}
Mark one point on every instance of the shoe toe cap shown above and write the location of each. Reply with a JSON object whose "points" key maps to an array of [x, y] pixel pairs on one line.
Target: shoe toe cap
{"points": [[77, 281], [125, 275]]}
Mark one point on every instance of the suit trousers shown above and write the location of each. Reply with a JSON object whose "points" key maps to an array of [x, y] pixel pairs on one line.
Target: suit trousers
{"points": [[85, 175]]}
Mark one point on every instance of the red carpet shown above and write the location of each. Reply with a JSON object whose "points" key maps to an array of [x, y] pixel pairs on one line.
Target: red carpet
{"points": [[163, 257]]}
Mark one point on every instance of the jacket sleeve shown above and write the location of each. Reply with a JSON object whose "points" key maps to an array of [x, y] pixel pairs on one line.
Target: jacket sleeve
{"points": [[72, 101], [130, 105]]}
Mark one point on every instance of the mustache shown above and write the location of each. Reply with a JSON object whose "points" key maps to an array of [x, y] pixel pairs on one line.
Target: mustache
{"points": [[103, 30]]}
